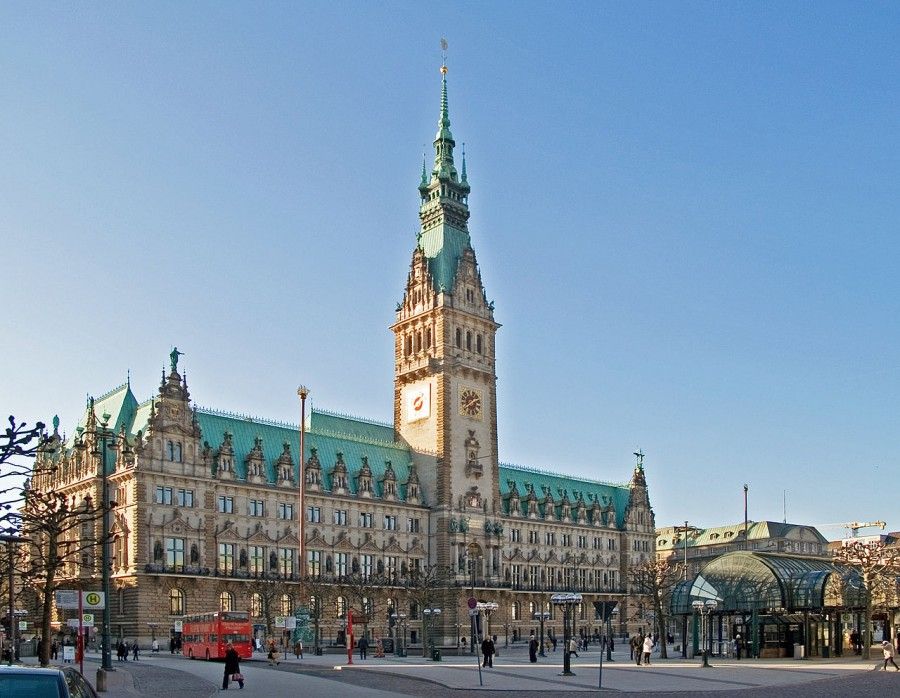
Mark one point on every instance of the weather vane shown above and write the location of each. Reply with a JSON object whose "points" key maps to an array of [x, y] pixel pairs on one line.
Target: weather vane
{"points": [[443, 56]]}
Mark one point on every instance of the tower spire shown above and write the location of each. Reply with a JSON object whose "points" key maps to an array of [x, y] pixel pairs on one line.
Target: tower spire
{"points": [[444, 168]]}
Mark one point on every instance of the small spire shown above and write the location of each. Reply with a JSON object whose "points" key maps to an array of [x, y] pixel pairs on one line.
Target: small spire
{"points": [[464, 180], [128, 378], [424, 171]]}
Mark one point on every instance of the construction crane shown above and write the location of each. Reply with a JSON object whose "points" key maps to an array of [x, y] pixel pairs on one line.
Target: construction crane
{"points": [[855, 526]]}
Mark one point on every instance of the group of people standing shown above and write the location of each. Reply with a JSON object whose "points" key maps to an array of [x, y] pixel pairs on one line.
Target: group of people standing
{"points": [[123, 649], [641, 648]]}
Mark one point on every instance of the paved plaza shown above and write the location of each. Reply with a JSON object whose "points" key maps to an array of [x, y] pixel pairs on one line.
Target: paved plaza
{"points": [[330, 675]]}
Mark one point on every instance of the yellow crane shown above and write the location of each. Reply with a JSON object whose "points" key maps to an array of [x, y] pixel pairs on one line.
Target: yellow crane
{"points": [[855, 526]]}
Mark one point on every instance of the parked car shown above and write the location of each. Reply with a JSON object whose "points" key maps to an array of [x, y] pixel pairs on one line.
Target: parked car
{"points": [[35, 682]]}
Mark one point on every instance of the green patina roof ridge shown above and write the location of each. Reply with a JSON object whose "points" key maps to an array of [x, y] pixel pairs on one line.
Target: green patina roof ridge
{"points": [[576, 478]]}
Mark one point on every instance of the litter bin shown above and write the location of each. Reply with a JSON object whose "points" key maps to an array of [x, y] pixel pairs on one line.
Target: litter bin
{"points": [[799, 651], [435, 654]]}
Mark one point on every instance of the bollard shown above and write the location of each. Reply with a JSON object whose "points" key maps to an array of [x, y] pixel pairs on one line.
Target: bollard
{"points": [[101, 681]]}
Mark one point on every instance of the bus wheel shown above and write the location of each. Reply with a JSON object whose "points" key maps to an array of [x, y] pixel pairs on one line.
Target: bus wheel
{"points": [[207, 655], [191, 653]]}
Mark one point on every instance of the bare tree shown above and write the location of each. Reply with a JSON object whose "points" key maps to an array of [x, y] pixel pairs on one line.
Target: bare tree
{"points": [[425, 586], [878, 566], [655, 580], [18, 446], [269, 590], [320, 592]]}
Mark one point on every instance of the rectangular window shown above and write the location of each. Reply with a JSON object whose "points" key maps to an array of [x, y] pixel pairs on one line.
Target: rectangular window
{"points": [[368, 565], [184, 498], [515, 535], [257, 559], [366, 520], [390, 522], [175, 553], [533, 537], [339, 517], [226, 505], [610, 544], [314, 514], [567, 540], [340, 564], [390, 564], [314, 562], [286, 558], [285, 511], [412, 525], [163, 495], [226, 557], [256, 507]]}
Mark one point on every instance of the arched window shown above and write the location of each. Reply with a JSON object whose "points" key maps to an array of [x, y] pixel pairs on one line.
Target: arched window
{"points": [[468, 340], [170, 450], [287, 605], [176, 602], [478, 343], [256, 605], [531, 609], [418, 342], [226, 601], [178, 452], [340, 606], [428, 337], [514, 610], [407, 346], [458, 338]]}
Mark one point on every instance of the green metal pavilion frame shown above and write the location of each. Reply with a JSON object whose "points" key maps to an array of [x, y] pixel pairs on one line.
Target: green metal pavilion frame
{"points": [[761, 586]]}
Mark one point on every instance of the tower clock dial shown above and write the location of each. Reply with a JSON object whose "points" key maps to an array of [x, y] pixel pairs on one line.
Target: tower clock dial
{"points": [[471, 402]]}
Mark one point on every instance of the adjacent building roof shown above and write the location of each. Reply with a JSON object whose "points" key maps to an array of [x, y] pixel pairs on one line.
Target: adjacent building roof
{"points": [[668, 538]]}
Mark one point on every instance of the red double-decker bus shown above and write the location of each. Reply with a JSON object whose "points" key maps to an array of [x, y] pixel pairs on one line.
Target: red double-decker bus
{"points": [[205, 635]]}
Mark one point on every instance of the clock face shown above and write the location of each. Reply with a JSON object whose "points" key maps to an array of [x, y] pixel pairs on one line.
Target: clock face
{"points": [[471, 403]]}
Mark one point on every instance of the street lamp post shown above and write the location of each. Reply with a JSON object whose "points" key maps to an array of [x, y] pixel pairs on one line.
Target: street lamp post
{"points": [[303, 393], [705, 608], [103, 435], [430, 614], [542, 616], [10, 542], [567, 601]]}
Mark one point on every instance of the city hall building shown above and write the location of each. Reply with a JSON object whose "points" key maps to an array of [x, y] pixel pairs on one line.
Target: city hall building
{"points": [[208, 502]]}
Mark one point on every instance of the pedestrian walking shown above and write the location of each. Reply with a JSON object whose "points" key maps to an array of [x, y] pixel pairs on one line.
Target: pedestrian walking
{"points": [[573, 647], [272, 655], [487, 649], [637, 646], [648, 648], [738, 646], [54, 650], [888, 650], [134, 650], [298, 649], [154, 646], [363, 646], [232, 667], [553, 639], [532, 649]]}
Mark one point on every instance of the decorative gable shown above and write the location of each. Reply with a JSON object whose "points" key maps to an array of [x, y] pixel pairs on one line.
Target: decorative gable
{"points": [[389, 482], [284, 466], [224, 458], [412, 486], [256, 464], [339, 475], [364, 480]]}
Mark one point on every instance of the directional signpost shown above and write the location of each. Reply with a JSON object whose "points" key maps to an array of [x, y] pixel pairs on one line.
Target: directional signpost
{"points": [[71, 599]]}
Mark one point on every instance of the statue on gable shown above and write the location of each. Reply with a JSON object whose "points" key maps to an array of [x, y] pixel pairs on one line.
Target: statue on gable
{"points": [[173, 358]]}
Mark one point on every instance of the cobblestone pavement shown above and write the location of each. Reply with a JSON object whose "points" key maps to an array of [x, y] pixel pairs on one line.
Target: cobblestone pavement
{"points": [[861, 685], [150, 680]]}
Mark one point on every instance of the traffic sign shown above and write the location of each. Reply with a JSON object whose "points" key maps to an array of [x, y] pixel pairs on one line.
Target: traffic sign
{"points": [[473, 602], [23, 625], [279, 621], [87, 620], [67, 598], [179, 624], [93, 599]]}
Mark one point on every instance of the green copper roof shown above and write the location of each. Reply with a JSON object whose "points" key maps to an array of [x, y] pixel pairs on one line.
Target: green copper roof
{"points": [[366, 441], [443, 246], [668, 538], [119, 403], [616, 494]]}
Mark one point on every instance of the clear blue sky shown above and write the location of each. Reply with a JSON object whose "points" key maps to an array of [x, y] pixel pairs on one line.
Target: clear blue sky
{"points": [[686, 214]]}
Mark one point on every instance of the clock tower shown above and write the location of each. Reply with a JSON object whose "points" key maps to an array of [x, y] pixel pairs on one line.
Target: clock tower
{"points": [[445, 387]]}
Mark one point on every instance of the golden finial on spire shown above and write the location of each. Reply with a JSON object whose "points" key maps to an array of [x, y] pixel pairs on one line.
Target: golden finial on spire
{"points": [[443, 56]]}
